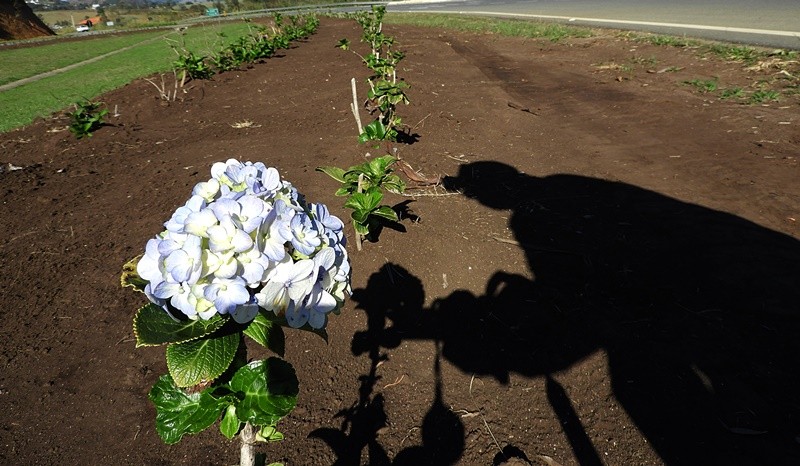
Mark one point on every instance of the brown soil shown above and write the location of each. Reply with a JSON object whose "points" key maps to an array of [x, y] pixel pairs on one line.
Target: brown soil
{"points": [[615, 281], [18, 21]]}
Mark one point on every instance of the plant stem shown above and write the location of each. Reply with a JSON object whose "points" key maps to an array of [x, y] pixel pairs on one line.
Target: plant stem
{"points": [[355, 106], [247, 453], [358, 235]]}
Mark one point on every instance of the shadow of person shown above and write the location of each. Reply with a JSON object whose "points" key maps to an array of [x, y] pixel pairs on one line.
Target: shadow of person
{"points": [[392, 294], [442, 431], [362, 421], [696, 309]]}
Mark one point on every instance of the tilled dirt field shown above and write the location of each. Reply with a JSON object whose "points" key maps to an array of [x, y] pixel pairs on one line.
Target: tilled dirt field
{"points": [[608, 274]]}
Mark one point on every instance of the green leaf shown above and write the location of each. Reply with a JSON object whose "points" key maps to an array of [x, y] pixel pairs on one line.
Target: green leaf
{"points": [[202, 360], [334, 172], [130, 277], [386, 212], [230, 424], [361, 228], [281, 321], [357, 172], [269, 434], [267, 389], [379, 165], [351, 175], [365, 202], [375, 131], [394, 184], [267, 333], [360, 216], [153, 326], [344, 191], [179, 413]]}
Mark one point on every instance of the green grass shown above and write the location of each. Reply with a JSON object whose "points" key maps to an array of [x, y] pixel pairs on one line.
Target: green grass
{"points": [[506, 27], [669, 41], [703, 85], [732, 93], [764, 95], [736, 53], [23, 62], [21, 105]]}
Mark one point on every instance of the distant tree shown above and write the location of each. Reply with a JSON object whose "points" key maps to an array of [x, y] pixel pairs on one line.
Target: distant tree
{"points": [[198, 9]]}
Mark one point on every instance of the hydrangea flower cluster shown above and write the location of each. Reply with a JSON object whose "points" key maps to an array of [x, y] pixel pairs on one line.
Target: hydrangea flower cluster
{"points": [[247, 240]]}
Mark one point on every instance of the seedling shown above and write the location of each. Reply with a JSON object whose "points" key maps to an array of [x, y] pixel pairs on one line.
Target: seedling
{"points": [[86, 118], [192, 66], [364, 185]]}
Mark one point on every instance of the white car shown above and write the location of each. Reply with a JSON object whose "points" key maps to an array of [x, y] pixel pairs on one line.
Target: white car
{"points": [[81, 28]]}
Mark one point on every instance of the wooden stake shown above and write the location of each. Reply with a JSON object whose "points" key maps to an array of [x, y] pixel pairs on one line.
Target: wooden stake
{"points": [[247, 453], [354, 106]]}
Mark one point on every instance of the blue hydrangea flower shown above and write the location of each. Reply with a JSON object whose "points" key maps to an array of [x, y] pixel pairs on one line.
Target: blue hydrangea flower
{"points": [[247, 242], [305, 234]]}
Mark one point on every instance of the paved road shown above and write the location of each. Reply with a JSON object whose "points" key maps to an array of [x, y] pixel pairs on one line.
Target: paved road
{"points": [[774, 23]]}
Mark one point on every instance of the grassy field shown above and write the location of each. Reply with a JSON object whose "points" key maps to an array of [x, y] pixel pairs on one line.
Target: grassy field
{"points": [[21, 105], [506, 27], [16, 64]]}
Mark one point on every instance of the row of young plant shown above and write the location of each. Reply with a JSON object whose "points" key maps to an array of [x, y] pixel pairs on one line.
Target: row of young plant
{"points": [[259, 44], [364, 184], [386, 91]]}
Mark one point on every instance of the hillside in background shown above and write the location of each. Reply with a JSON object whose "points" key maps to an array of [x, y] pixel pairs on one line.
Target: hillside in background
{"points": [[17, 21]]}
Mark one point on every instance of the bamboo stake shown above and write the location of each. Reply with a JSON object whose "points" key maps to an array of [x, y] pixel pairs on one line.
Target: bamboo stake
{"points": [[354, 106], [358, 235], [247, 453]]}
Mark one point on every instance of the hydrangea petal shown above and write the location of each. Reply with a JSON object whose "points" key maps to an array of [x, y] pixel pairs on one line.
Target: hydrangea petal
{"points": [[296, 316]]}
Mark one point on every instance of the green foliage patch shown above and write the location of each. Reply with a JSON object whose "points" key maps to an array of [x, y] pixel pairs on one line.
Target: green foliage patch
{"points": [[21, 105], [363, 185], [86, 118], [507, 27]]}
